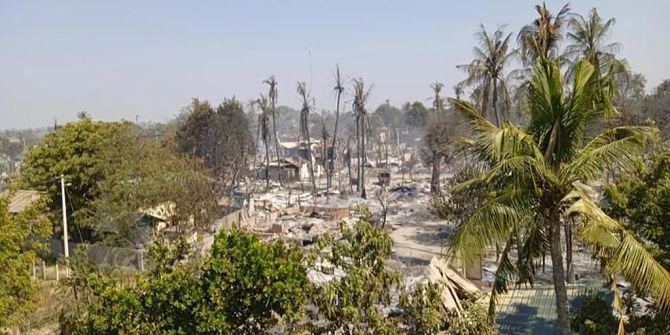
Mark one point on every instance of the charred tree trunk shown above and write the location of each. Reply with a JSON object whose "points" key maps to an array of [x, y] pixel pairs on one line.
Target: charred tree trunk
{"points": [[435, 177], [274, 130], [332, 158], [362, 180], [267, 165], [311, 165], [351, 188], [358, 156]]}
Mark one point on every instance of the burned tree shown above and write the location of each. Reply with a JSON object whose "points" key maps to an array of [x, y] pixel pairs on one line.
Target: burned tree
{"points": [[272, 95], [360, 98], [263, 120], [338, 90], [304, 130], [436, 138]]}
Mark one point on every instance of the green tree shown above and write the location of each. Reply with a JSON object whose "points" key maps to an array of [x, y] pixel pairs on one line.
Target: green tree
{"points": [[251, 286], [350, 303], [195, 134], [74, 152], [641, 200], [416, 114], [145, 175], [21, 237], [657, 107], [540, 176], [487, 72], [233, 142], [221, 138]]}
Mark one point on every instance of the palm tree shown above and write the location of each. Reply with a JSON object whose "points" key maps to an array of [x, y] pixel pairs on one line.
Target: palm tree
{"points": [[486, 71], [338, 91], [538, 176], [272, 94], [304, 130], [360, 99], [435, 146], [587, 39], [540, 38], [263, 123]]}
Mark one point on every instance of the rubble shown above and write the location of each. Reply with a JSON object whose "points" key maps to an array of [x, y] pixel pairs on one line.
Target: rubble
{"points": [[455, 287]]}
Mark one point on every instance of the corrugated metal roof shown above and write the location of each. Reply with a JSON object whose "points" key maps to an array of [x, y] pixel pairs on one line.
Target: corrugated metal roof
{"points": [[533, 310]]}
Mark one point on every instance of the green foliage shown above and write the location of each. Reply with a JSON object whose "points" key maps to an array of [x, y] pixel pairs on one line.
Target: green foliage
{"points": [[424, 311], [641, 199], [249, 285], [73, 151], [145, 175], [221, 138], [595, 317], [474, 321], [21, 237], [351, 303], [459, 203], [246, 286], [112, 173], [416, 114], [537, 178], [390, 115]]}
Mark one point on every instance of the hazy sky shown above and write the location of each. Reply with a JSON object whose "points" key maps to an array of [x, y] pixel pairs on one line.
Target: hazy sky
{"points": [[122, 59]]}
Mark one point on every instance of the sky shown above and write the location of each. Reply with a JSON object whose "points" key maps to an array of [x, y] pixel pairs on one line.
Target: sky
{"points": [[145, 60]]}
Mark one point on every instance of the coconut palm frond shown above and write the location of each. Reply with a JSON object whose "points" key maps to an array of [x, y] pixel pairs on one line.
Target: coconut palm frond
{"points": [[505, 273], [470, 112], [627, 255], [618, 147], [637, 265], [490, 224]]}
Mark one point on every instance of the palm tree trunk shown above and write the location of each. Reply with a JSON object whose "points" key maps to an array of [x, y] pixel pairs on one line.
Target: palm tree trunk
{"points": [[274, 130], [332, 158], [495, 102], [311, 164], [358, 155], [568, 252], [560, 288], [267, 165], [485, 100], [258, 132], [362, 181], [435, 177], [351, 189]]}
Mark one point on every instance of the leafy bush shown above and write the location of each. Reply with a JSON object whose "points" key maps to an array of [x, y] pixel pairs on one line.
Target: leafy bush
{"points": [[245, 287], [474, 321], [595, 317]]}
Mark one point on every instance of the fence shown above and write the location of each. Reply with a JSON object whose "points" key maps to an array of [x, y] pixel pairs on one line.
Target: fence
{"points": [[103, 255]]}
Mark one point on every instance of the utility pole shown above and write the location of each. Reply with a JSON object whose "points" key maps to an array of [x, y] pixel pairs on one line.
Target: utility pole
{"points": [[65, 241]]}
